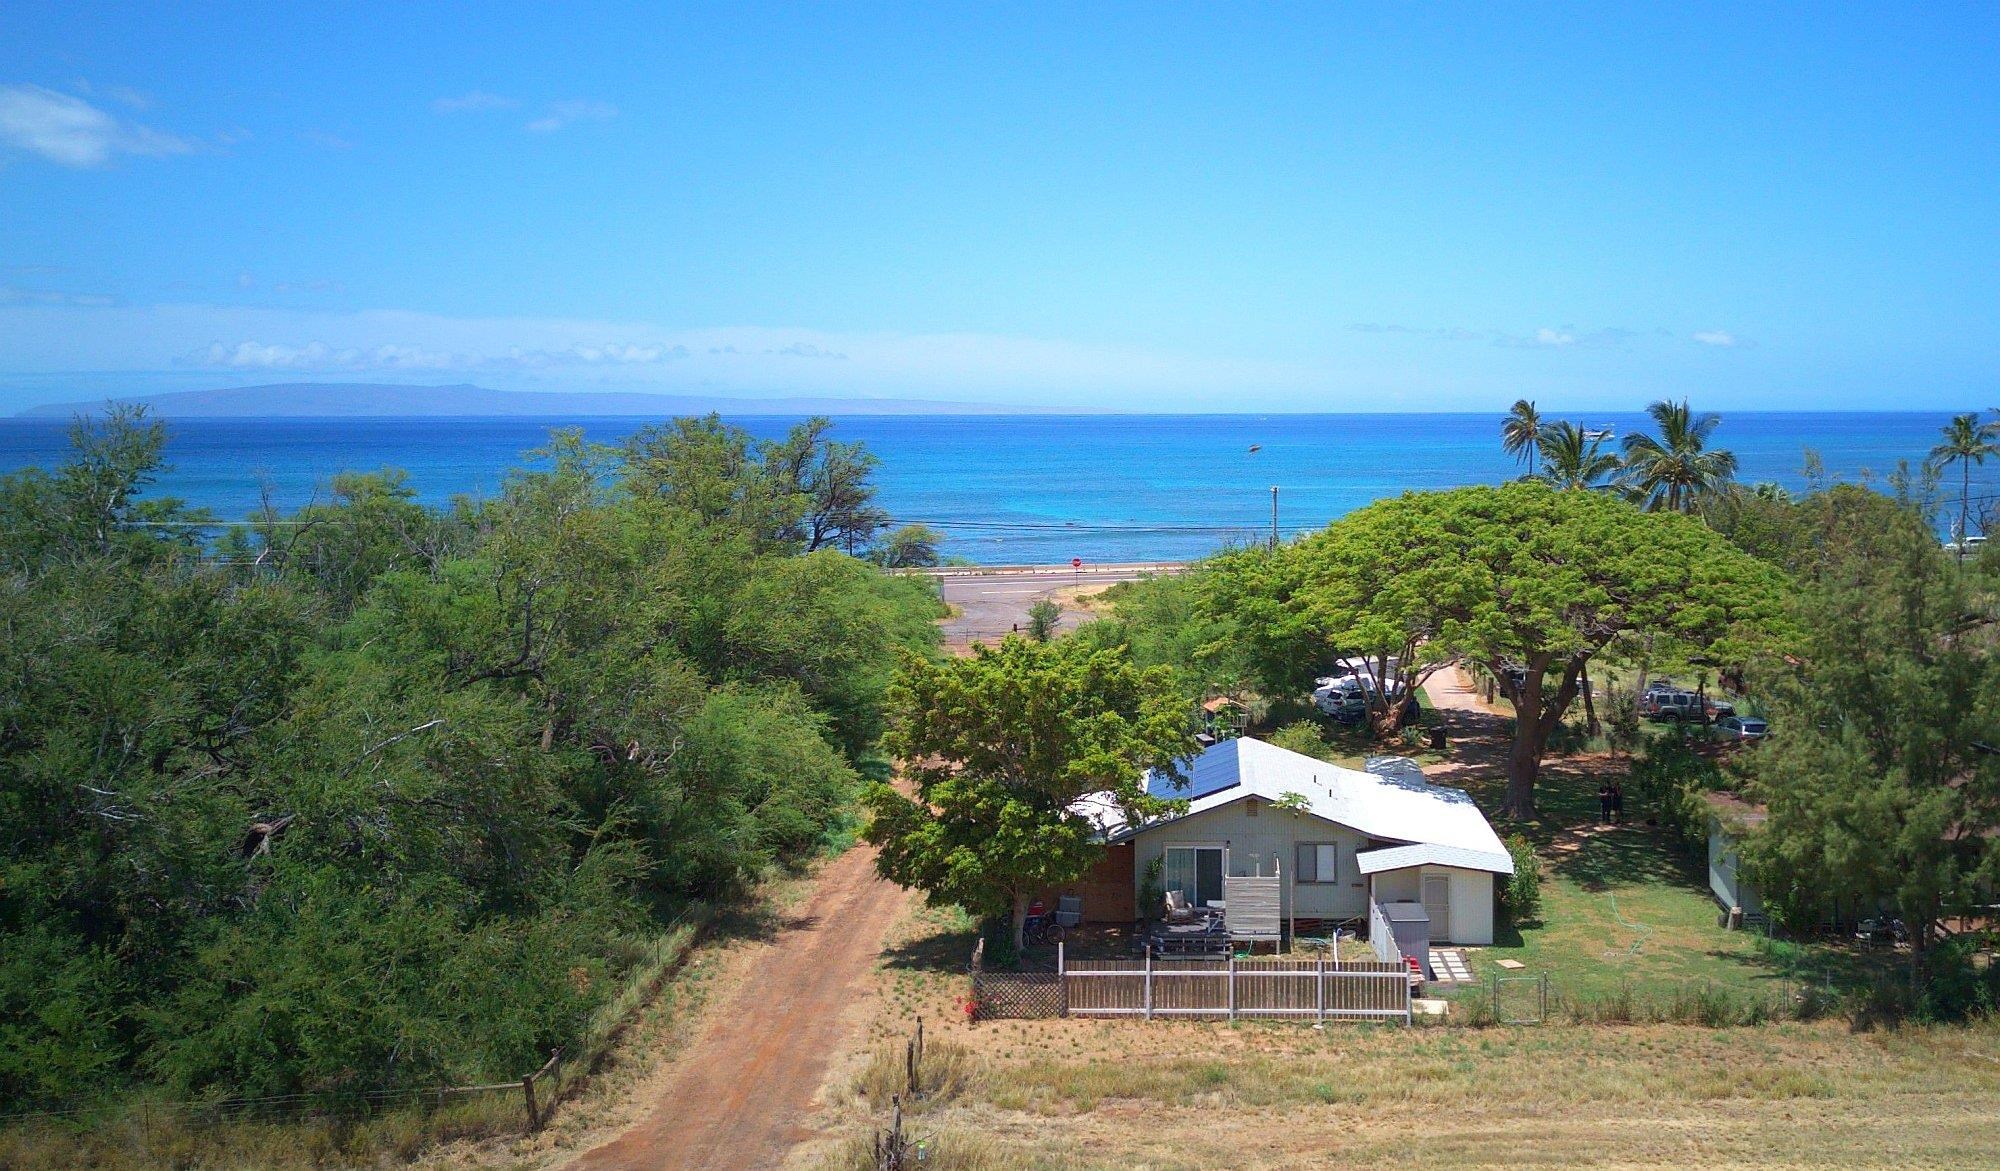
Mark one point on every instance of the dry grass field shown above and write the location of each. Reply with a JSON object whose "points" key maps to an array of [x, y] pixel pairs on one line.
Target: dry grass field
{"points": [[1195, 1095]]}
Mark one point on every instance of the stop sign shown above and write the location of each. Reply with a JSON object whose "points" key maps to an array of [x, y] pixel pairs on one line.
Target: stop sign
{"points": [[1076, 563]]}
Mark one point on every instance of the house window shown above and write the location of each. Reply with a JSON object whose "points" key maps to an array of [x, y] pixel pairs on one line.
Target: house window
{"points": [[1318, 862]]}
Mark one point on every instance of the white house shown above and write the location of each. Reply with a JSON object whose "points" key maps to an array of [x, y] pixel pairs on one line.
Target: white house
{"points": [[1338, 839]]}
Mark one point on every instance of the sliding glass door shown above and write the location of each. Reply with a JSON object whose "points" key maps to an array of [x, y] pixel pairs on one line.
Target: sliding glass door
{"points": [[1196, 871]]}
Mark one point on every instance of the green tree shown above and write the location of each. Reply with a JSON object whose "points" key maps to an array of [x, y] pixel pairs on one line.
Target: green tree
{"points": [[1880, 779], [913, 546], [1572, 458], [831, 483], [805, 492], [1521, 432], [1677, 470], [1522, 575], [384, 795], [1966, 443], [999, 748]]}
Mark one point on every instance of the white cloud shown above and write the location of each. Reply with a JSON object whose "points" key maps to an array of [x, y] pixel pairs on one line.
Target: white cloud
{"points": [[609, 354], [314, 286], [317, 355], [476, 101], [561, 114], [117, 93], [1554, 337], [321, 138], [10, 295], [74, 133], [1715, 337], [190, 340], [805, 350]]}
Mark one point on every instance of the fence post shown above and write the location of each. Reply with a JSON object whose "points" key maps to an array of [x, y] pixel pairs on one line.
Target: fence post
{"points": [[920, 1042], [1232, 983], [1149, 979], [528, 1091], [1062, 978], [1319, 989]]}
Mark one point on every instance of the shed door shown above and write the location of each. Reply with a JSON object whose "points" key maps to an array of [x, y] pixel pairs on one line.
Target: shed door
{"points": [[1437, 904]]}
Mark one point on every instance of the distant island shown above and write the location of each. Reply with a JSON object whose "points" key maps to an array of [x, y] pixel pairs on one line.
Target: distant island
{"points": [[360, 400]]}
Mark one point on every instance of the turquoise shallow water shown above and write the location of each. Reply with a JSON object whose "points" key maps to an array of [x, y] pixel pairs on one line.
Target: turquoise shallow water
{"points": [[1021, 488]]}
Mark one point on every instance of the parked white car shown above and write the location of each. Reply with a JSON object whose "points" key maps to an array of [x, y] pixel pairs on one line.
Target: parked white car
{"points": [[1742, 728]]}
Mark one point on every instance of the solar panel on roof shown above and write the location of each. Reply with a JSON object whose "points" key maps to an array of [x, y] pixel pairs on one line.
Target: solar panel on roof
{"points": [[1210, 772]]}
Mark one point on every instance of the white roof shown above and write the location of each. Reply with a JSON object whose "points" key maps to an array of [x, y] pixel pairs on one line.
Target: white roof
{"points": [[1393, 802], [1403, 857]]}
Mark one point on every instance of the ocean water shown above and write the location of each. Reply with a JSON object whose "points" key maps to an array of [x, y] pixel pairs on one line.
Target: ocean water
{"points": [[1012, 489]]}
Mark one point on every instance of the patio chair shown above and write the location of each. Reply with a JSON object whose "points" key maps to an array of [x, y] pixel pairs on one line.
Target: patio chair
{"points": [[1178, 910]]}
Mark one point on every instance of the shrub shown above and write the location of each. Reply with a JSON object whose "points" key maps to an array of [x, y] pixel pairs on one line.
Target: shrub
{"points": [[1522, 893], [1955, 986], [1153, 889], [1042, 619], [1303, 737]]}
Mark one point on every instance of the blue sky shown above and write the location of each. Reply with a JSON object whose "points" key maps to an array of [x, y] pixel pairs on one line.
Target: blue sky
{"points": [[1152, 207]]}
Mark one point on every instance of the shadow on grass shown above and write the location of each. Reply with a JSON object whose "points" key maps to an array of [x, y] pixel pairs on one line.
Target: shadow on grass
{"points": [[1844, 968], [941, 951], [1629, 856]]}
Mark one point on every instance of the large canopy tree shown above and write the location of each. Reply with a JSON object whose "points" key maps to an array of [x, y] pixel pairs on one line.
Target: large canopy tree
{"points": [[1526, 576], [1000, 747]]}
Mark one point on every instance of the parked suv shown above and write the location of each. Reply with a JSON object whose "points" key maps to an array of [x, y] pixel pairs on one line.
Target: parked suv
{"points": [[1677, 706]]}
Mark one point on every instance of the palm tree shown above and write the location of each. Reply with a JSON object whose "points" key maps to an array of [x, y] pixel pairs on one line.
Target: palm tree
{"points": [[1676, 471], [1571, 456], [1965, 443], [1521, 433]]}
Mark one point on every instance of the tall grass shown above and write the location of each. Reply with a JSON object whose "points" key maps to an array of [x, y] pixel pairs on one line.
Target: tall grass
{"points": [[147, 1135], [946, 1071]]}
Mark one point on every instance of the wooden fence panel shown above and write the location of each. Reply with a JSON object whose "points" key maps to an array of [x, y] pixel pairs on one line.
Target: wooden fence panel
{"points": [[1278, 987]]}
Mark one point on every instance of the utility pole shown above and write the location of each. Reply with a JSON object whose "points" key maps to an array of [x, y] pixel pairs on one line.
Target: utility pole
{"points": [[1274, 518]]}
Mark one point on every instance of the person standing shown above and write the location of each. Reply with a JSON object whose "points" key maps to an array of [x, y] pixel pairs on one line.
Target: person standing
{"points": [[1617, 803], [1603, 803]]}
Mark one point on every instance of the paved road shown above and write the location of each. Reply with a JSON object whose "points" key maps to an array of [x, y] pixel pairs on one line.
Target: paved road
{"points": [[989, 605], [742, 1095]]}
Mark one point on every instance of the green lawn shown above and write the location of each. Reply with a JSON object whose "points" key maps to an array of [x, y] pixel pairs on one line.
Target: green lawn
{"points": [[1624, 908], [1628, 906]]}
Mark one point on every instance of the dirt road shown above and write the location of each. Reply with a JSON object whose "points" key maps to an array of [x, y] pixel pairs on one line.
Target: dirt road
{"points": [[740, 1096]]}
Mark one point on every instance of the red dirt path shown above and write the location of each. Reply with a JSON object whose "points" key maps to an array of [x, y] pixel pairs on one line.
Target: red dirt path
{"points": [[740, 1096]]}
